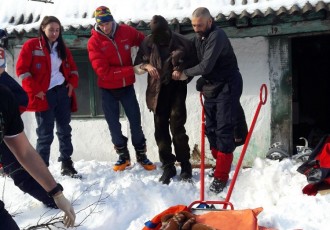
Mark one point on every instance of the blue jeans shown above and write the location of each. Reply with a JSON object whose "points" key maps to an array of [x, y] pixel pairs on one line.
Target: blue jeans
{"points": [[60, 111], [110, 104]]}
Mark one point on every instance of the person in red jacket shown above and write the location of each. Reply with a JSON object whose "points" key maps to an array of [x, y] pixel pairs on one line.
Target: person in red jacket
{"points": [[109, 50], [49, 76]]}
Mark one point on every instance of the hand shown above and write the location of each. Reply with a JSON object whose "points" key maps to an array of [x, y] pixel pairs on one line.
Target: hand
{"points": [[40, 95], [137, 70], [176, 75], [63, 204], [152, 71], [70, 89]]}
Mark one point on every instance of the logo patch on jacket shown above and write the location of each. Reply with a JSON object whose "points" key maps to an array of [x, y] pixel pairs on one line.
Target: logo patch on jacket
{"points": [[38, 66], [127, 47]]}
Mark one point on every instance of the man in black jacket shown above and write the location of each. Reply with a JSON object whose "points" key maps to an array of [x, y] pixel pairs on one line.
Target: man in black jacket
{"points": [[221, 84], [11, 132], [160, 53]]}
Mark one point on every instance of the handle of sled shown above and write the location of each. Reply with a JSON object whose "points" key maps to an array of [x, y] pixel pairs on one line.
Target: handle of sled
{"points": [[207, 205], [202, 149], [263, 99]]}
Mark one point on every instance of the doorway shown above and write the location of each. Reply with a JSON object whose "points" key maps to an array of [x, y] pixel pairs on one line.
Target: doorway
{"points": [[311, 84]]}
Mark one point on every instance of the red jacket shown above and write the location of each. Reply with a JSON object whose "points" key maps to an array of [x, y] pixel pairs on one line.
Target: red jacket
{"points": [[111, 58], [34, 68]]}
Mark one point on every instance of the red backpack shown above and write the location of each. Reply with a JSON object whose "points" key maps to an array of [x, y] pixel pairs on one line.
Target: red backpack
{"points": [[317, 167]]}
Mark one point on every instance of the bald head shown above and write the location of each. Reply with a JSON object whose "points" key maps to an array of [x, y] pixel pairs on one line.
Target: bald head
{"points": [[201, 12]]}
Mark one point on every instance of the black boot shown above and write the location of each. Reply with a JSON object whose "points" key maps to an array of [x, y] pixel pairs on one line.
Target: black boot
{"points": [[217, 185], [168, 173], [67, 169], [186, 171]]}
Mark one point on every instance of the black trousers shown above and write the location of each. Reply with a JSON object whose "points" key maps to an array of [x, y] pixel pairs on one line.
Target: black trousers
{"points": [[221, 115], [22, 179], [6, 221], [171, 116]]}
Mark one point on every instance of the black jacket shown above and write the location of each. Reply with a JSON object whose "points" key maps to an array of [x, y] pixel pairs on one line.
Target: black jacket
{"points": [[216, 56]]}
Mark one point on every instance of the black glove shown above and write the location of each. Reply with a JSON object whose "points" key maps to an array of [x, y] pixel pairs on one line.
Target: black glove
{"points": [[200, 83]]}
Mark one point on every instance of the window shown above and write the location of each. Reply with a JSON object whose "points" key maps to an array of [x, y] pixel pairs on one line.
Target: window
{"points": [[88, 93]]}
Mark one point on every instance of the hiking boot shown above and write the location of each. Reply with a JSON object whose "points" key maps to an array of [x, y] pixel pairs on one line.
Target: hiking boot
{"points": [[217, 185], [141, 158], [67, 169], [186, 171], [124, 159], [168, 173], [145, 162], [121, 165]]}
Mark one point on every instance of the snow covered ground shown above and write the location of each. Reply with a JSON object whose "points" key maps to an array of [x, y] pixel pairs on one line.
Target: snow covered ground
{"points": [[131, 197]]}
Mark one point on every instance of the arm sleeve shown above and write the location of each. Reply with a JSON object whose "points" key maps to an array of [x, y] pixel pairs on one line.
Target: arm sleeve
{"points": [[138, 37], [214, 47], [13, 123], [23, 65], [141, 56]]}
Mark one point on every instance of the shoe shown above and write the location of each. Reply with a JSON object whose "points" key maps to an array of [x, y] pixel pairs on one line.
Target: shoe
{"points": [[124, 159], [147, 164], [67, 169], [168, 173], [186, 171], [121, 165], [141, 158], [217, 185]]}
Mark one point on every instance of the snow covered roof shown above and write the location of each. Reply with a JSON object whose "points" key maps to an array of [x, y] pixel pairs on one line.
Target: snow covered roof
{"points": [[21, 16]]}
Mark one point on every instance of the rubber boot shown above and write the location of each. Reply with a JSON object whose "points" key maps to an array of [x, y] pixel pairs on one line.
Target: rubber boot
{"points": [[214, 153], [223, 165], [221, 173]]}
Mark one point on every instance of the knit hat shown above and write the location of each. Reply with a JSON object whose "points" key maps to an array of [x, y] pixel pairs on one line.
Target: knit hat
{"points": [[102, 14], [2, 58]]}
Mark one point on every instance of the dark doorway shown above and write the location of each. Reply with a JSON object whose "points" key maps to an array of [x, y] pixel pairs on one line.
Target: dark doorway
{"points": [[311, 84]]}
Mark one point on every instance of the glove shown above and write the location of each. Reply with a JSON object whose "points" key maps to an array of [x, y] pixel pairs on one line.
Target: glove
{"points": [[310, 189], [200, 83], [69, 214], [138, 70]]}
